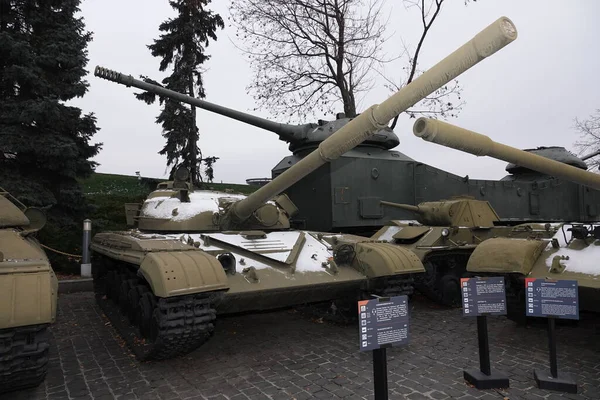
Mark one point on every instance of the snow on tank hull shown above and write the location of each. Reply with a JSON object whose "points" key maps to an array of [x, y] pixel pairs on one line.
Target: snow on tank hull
{"points": [[517, 259], [201, 275]]}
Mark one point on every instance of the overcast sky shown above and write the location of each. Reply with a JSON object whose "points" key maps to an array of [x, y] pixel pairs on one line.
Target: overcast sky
{"points": [[526, 95]]}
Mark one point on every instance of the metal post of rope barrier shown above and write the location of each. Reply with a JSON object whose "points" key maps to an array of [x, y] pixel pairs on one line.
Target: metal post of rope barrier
{"points": [[86, 265]]}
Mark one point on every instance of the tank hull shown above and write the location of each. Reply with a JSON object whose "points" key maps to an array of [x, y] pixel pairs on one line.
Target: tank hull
{"points": [[517, 259], [137, 273]]}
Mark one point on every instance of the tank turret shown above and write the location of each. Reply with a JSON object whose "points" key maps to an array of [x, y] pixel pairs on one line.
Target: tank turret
{"points": [[301, 138], [477, 144], [455, 212]]}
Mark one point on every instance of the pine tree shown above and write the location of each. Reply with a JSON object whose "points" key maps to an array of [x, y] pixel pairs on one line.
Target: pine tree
{"points": [[183, 45], [44, 143]]}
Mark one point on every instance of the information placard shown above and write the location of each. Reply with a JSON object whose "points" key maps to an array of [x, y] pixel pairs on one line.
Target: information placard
{"points": [[383, 322], [483, 296], [552, 298]]}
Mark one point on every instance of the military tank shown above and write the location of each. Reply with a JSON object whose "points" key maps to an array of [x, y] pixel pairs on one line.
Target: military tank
{"points": [[444, 235], [28, 297], [571, 252], [194, 254], [349, 189]]}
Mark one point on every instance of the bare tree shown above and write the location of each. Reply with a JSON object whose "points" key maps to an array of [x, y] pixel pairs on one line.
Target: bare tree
{"points": [[308, 53], [589, 131], [445, 101]]}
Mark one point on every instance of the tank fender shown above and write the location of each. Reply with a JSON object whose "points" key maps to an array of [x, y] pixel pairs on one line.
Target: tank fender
{"points": [[377, 259], [176, 273], [503, 255], [27, 298]]}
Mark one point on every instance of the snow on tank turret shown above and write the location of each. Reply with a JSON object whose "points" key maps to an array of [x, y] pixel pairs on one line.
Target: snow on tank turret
{"points": [[193, 254]]}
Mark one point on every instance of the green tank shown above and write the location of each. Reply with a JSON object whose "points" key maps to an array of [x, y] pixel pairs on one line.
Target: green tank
{"points": [[569, 250], [28, 296], [444, 235], [195, 254]]}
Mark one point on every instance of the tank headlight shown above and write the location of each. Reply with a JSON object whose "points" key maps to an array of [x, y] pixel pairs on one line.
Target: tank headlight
{"points": [[445, 232]]}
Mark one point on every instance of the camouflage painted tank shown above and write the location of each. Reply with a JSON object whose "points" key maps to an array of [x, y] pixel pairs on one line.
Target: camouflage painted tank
{"points": [[194, 254], [28, 297], [444, 235], [571, 251]]}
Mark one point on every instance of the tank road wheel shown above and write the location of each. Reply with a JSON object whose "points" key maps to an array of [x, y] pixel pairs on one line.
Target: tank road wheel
{"points": [[441, 280], [126, 286], [146, 307], [133, 297], [450, 289], [154, 328], [23, 357]]}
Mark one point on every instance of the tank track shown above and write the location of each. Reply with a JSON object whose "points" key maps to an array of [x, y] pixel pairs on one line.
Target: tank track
{"points": [[154, 328], [441, 280], [23, 357]]}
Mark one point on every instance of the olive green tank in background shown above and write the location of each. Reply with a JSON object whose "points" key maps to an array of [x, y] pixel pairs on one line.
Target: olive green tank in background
{"points": [[194, 254], [28, 296], [572, 251], [444, 236]]}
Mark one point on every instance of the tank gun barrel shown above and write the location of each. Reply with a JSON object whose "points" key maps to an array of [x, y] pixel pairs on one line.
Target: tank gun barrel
{"points": [[487, 42], [286, 132], [477, 144], [407, 207]]}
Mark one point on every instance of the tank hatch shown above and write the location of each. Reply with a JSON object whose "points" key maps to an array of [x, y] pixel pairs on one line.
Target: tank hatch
{"points": [[555, 153]]}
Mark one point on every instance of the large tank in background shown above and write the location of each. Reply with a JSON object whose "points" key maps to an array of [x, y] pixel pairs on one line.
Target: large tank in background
{"points": [[572, 249], [194, 254], [28, 297], [352, 187]]}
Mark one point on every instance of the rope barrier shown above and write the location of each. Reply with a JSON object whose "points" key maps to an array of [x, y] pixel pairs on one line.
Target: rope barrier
{"points": [[61, 252]]}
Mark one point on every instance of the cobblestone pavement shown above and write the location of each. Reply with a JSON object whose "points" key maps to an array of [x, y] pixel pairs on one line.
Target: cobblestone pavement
{"points": [[289, 355]]}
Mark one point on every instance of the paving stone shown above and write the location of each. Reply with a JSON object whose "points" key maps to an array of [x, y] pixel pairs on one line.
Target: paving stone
{"points": [[285, 355]]}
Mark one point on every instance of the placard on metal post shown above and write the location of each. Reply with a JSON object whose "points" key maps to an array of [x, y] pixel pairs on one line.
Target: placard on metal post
{"points": [[383, 323], [553, 299], [483, 296]]}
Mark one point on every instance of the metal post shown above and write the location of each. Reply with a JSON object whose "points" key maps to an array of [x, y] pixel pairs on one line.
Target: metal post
{"points": [[552, 346], [484, 345], [86, 266], [380, 374]]}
